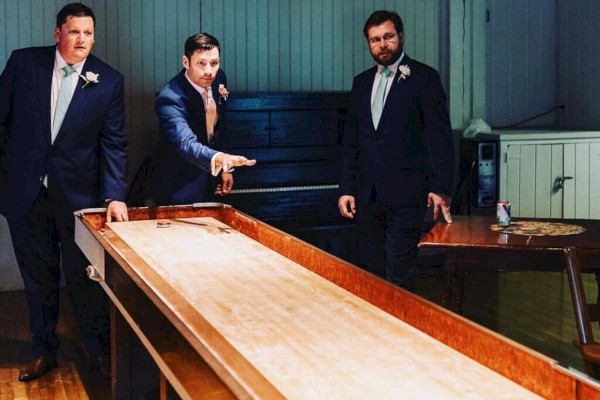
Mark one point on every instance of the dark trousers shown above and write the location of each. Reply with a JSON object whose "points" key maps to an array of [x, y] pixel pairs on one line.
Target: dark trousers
{"points": [[388, 238], [44, 240]]}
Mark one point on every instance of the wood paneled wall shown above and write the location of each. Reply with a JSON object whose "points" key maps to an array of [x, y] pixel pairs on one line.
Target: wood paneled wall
{"points": [[522, 66], [578, 60], [309, 45]]}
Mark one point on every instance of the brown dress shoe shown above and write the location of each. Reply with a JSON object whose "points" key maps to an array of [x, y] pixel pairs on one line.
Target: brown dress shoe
{"points": [[36, 368]]}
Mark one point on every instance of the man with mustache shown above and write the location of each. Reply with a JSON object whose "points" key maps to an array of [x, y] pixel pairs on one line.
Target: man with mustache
{"points": [[397, 154], [62, 148], [190, 109]]}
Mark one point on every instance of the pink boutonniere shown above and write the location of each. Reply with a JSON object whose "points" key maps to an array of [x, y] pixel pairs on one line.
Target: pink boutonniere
{"points": [[223, 93]]}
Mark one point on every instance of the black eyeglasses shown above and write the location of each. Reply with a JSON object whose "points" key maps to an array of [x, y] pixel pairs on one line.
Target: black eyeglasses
{"points": [[388, 37]]}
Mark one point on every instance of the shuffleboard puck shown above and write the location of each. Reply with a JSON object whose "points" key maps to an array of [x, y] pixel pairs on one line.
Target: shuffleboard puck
{"points": [[163, 223]]}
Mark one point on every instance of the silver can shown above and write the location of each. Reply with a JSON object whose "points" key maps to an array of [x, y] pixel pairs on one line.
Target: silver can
{"points": [[503, 213]]}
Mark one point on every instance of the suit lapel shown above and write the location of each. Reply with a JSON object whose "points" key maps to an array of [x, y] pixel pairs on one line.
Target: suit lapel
{"points": [[368, 90], [195, 101], [44, 86], [195, 107], [216, 95], [399, 84], [394, 98]]}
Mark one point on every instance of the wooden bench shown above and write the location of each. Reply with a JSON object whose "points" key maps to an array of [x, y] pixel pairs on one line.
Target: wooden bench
{"points": [[295, 137]]}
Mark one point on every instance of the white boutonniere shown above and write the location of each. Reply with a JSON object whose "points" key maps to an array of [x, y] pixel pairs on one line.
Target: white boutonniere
{"points": [[223, 93], [89, 77], [404, 72]]}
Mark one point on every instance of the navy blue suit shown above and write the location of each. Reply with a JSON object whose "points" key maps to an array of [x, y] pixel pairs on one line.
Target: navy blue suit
{"points": [[86, 164], [391, 169], [182, 165]]}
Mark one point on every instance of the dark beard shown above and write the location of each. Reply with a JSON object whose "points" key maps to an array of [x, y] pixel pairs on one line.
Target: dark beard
{"points": [[388, 61]]}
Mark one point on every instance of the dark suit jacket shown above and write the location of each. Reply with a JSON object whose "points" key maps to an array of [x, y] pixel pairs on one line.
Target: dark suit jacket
{"points": [[411, 152], [182, 164], [87, 162]]}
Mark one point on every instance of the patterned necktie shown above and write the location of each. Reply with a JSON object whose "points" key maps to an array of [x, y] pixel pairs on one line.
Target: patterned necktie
{"points": [[378, 101], [64, 98], [211, 113]]}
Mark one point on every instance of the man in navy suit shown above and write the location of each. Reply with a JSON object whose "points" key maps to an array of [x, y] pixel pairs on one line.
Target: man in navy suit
{"points": [[190, 109], [397, 153], [60, 151]]}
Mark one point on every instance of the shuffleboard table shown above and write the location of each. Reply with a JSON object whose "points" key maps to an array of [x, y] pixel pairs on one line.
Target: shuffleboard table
{"points": [[230, 307]]}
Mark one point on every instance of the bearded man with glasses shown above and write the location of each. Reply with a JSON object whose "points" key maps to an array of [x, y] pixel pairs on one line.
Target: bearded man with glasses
{"points": [[398, 153]]}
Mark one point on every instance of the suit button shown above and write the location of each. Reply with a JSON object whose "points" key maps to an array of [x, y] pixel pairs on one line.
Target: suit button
{"points": [[41, 178]]}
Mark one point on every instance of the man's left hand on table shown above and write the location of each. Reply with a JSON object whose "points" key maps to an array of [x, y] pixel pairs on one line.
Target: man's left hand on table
{"points": [[117, 210], [441, 203]]}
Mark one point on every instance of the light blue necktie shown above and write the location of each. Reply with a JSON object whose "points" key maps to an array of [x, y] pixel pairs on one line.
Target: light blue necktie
{"points": [[64, 98], [378, 101]]}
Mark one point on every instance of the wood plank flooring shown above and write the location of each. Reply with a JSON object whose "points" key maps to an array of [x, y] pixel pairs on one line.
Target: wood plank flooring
{"points": [[532, 308], [72, 380]]}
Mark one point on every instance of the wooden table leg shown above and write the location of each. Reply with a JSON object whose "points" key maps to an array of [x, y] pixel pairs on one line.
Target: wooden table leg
{"points": [[449, 280], [580, 308], [454, 272], [573, 267], [119, 344], [458, 290], [163, 386]]}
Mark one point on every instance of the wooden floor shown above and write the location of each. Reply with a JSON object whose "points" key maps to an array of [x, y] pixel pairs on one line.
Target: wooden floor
{"points": [[531, 308], [72, 380]]}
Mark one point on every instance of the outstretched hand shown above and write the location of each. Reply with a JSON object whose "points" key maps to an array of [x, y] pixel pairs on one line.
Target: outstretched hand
{"points": [[228, 161]]}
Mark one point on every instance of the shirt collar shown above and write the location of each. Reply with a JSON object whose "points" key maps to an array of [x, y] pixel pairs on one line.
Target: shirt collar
{"points": [[393, 68]]}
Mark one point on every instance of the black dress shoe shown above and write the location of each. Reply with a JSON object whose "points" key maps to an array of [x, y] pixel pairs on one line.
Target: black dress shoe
{"points": [[101, 364], [36, 368]]}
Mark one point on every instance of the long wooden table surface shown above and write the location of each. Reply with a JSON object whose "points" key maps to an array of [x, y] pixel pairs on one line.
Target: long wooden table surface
{"points": [[305, 335], [273, 317]]}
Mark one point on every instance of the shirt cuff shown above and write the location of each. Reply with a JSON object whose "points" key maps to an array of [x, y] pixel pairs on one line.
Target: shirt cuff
{"points": [[213, 168]]}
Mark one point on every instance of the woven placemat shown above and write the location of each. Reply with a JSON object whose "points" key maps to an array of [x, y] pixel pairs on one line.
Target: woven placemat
{"points": [[539, 228]]}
